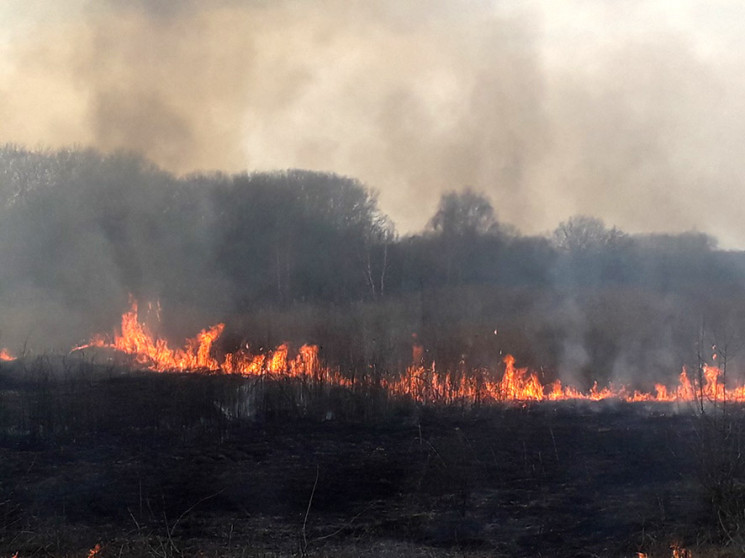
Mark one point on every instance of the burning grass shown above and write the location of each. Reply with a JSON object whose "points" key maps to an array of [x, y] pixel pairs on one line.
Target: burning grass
{"points": [[423, 384], [279, 454], [153, 464]]}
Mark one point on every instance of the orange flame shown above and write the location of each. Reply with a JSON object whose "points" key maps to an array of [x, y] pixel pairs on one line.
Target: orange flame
{"points": [[518, 384], [6, 356], [154, 353], [135, 339], [425, 384], [680, 552]]}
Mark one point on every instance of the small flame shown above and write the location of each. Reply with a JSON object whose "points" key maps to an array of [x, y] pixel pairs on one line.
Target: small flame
{"points": [[677, 552], [6, 356], [92, 553], [680, 552]]}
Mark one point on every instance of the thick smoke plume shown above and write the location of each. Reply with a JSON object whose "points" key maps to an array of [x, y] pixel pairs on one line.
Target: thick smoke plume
{"points": [[632, 112]]}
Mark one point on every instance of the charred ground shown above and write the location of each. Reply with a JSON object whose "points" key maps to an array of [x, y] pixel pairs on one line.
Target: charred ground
{"points": [[154, 465]]}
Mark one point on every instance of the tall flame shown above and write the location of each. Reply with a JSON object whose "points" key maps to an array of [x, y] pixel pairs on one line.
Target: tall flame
{"points": [[155, 354], [135, 339]]}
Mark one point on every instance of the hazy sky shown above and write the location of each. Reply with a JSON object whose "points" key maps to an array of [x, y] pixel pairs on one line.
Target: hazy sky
{"points": [[632, 111]]}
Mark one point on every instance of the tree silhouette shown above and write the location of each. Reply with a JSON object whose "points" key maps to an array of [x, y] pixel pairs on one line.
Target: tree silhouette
{"points": [[464, 213]]}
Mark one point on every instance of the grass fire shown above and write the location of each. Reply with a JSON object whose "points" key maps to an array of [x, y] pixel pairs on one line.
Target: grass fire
{"points": [[201, 449], [466, 391], [424, 384], [355, 279]]}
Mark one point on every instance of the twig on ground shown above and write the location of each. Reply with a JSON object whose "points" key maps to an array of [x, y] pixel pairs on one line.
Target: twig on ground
{"points": [[307, 512]]}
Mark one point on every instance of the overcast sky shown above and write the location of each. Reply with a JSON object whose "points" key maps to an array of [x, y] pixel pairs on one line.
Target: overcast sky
{"points": [[631, 111]]}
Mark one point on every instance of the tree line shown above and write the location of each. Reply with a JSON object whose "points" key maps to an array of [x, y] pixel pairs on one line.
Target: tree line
{"points": [[310, 257]]}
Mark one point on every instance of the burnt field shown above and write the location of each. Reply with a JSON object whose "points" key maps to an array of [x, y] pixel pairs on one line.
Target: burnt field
{"points": [[149, 464]]}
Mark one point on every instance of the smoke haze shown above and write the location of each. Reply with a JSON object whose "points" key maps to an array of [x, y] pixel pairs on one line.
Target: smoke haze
{"points": [[631, 112]]}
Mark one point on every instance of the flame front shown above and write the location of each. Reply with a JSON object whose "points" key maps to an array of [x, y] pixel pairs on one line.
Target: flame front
{"points": [[155, 354], [425, 384]]}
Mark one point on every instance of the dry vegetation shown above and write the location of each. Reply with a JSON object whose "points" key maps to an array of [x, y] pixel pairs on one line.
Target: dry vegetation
{"points": [[151, 464], [166, 465]]}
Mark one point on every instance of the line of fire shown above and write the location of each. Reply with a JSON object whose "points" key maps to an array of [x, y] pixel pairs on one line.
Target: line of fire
{"points": [[422, 383]]}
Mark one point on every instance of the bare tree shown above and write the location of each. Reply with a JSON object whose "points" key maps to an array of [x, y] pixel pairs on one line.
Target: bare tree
{"points": [[464, 214], [581, 233]]}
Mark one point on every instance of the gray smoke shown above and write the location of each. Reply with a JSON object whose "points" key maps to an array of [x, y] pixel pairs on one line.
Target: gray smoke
{"points": [[629, 111]]}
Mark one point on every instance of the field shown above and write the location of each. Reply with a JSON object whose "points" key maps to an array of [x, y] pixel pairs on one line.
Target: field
{"points": [[153, 464]]}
